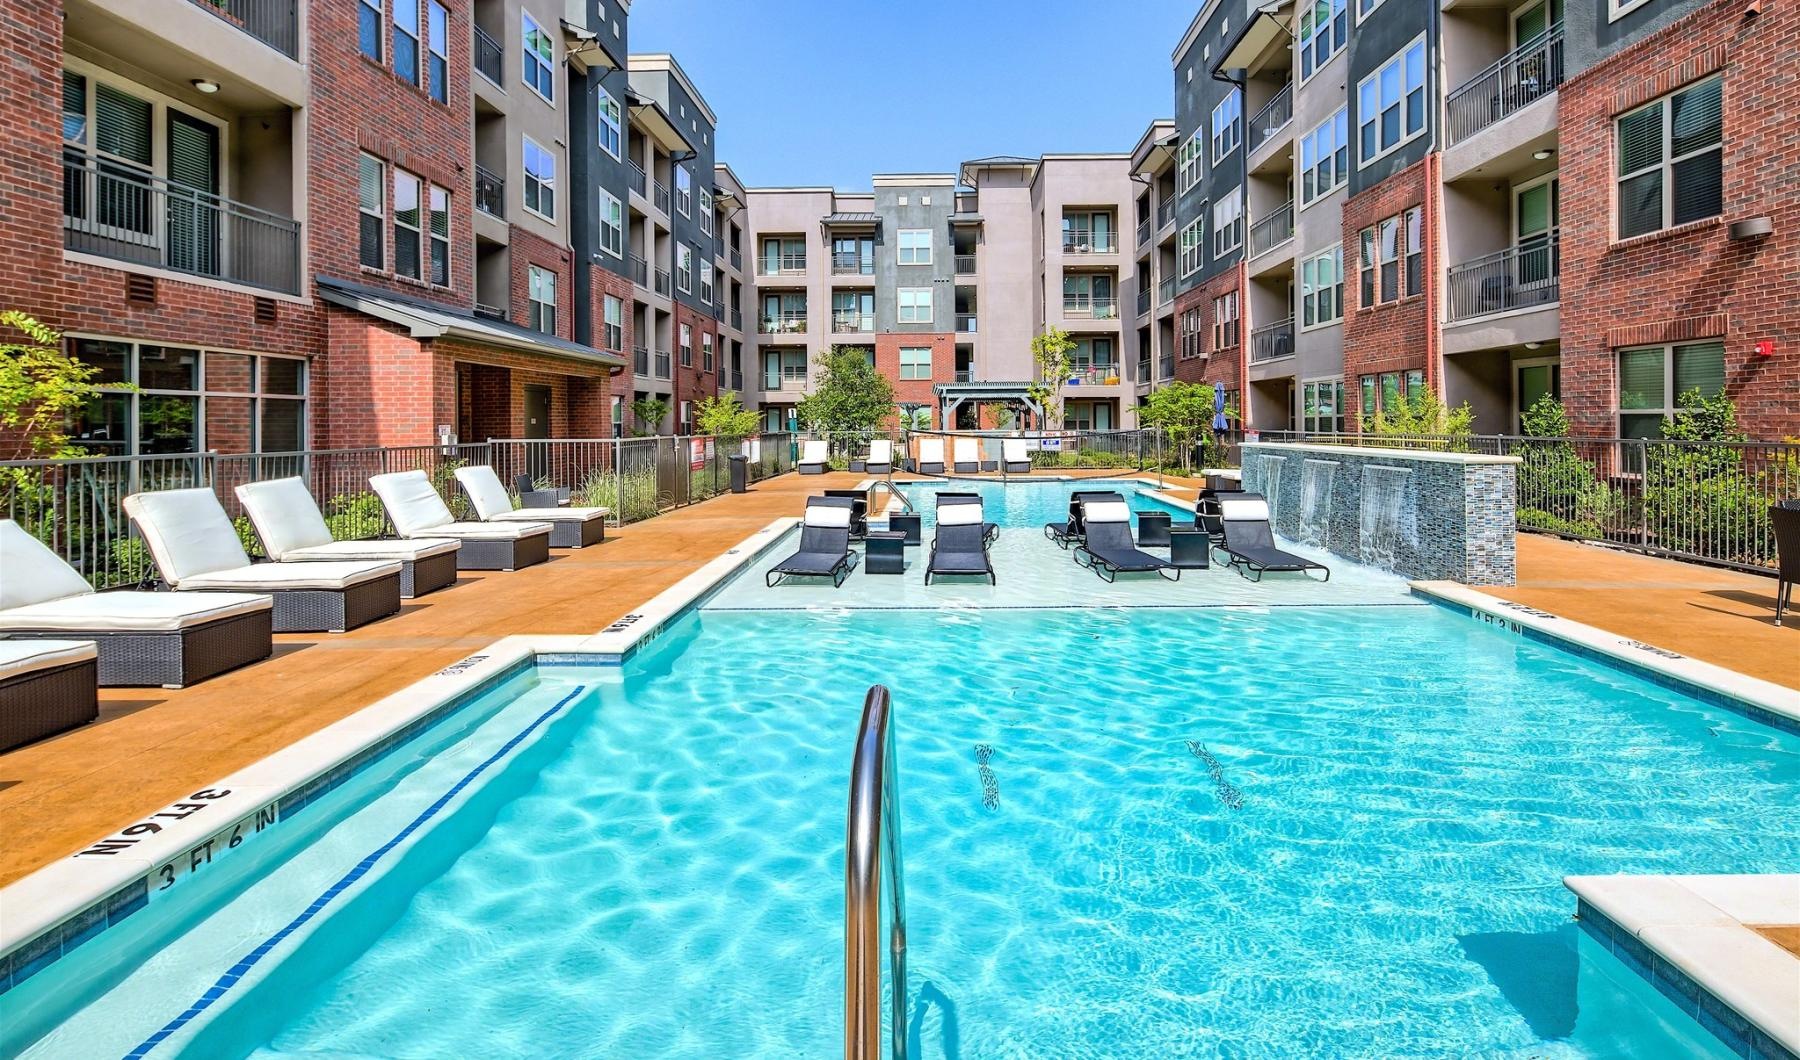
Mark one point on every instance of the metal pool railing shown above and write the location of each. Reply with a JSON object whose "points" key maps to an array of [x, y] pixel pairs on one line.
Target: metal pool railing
{"points": [[639, 477], [872, 867]]}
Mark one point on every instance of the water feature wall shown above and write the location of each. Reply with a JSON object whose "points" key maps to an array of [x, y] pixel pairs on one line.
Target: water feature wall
{"points": [[1424, 515]]}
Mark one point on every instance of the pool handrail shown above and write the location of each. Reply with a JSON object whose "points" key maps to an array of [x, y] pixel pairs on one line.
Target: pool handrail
{"points": [[871, 857]]}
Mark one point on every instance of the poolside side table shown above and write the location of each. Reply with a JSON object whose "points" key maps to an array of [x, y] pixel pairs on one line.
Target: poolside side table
{"points": [[908, 523], [884, 552], [1190, 549], [1153, 529], [859, 466]]}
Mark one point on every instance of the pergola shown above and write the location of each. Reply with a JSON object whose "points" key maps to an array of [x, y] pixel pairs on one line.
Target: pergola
{"points": [[952, 396]]}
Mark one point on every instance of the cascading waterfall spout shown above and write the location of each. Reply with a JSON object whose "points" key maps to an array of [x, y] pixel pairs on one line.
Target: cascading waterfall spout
{"points": [[1383, 522], [1271, 475], [1315, 502]]}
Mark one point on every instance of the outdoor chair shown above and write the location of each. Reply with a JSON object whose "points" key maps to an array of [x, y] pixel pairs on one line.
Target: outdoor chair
{"points": [[166, 639], [931, 456], [960, 546], [1070, 531], [859, 510], [813, 459], [1206, 512], [1014, 457], [293, 530], [990, 532], [1785, 518], [532, 497], [196, 549], [416, 510], [1108, 549], [880, 460], [46, 687], [569, 527], [967, 454], [1250, 543], [824, 550]]}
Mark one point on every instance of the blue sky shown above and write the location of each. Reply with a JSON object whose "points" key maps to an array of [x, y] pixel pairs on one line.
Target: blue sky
{"points": [[826, 92]]}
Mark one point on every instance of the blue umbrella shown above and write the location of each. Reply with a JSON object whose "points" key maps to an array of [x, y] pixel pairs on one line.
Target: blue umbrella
{"points": [[1219, 423]]}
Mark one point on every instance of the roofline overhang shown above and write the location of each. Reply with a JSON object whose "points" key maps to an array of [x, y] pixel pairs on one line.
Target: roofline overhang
{"points": [[420, 326], [663, 61], [1260, 32], [657, 123]]}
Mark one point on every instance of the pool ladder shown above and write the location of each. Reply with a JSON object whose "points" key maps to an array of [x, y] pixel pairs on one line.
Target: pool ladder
{"points": [[871, 859], [905, 502]]}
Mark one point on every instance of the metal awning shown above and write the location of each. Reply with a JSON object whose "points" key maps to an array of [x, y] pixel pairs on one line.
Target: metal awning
{"points": [[1159, 154], [955, 395], [586, 47], [648, 115], [965, 218], [1267, 25], [424, 320], [851, 220]]}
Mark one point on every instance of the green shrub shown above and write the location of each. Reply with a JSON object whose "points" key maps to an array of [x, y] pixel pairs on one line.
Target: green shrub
{"points": [[355, 516], [632, 496], [1558, 490]]}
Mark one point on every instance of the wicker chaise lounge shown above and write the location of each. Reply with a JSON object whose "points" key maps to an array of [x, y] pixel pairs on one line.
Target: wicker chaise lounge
{"points": [[416, 510], [166, 639], [1014, 457], [569, 527], [967, 456], [931, 456], [880, 460], [46, 687], [814, 458], [293, 530]]}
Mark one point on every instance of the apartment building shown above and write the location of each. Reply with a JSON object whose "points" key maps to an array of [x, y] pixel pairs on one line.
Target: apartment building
{"points": [[1409, 173], [1156, 257]]}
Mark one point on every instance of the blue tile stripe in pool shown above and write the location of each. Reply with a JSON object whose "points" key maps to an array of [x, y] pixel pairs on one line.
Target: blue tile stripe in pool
{"points": [[236, 972]]}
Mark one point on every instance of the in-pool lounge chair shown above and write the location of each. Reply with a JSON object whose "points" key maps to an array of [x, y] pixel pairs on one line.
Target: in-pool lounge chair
{"points": [[1108, 550], [196, 549], [824, 550], [1070, 531], [960, 546], [1206, 512], [967, 453], [1250, 543], [813, 458], [569, 527], [293, 530], [46, 687], [167, 639], [859, 510], [931, 456], [1014, 457], [990, 532], [881, 457], [416, 510]]}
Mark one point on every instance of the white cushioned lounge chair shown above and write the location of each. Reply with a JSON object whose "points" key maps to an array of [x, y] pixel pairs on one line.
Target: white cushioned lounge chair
{"points": [[1015, 458], [293, 530], [967, 453], [880, 460], [569, 527], [931, 456], [167, 639], [46, 687], [416, 510], [813, 458]]}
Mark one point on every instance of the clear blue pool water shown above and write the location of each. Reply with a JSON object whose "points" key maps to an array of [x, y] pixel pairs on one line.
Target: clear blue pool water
{"points": [[1029, 504], [1301, 832]]}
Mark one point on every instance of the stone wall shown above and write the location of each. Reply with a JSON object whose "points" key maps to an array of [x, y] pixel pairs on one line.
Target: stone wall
{"points": [[1431, 516]]}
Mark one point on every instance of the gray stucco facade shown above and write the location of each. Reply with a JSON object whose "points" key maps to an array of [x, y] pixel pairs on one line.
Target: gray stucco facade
{"points": [[927, 206]]}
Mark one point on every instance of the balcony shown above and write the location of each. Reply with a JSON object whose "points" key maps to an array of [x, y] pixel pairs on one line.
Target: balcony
{"points": [[737, 259], [1272, 118], [1102, 374], [661, 198], [791, 381], [737, 319], [1144, 233], [663, 286], [841, 265], [1091, 307], [783, 265], [737, 379], [1521, 77], [787, 323], [1272, 230], [1143, 300], [1165, 291], [665, 364], [1165, 367], [1086, 241], [489, 57], [490, 193], [640, 271], [492, 312], [965, 323], [1520, 277], [634, 175], [113, 210], [718, 312], [851, 322], [965, 264], [1272, 341], [640, 360], [1143, 369], [274, 22], [1165, 213]]}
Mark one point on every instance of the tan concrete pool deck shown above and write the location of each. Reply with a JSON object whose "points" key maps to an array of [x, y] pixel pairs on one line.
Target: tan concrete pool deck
{"points": [[152, 747]]}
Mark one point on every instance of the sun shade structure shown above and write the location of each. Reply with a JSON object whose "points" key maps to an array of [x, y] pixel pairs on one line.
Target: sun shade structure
{"points": [[960, 546], [1107, 548], [46, 687], [1244, 523], [416, 510], [293, 530], [569, 527], [824, 550]]}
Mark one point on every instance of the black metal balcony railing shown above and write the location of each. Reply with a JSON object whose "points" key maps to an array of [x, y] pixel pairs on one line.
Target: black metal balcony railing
{"points": [[635, 175], [737, 319], [782, 323], [1088, 241], [1165, 367], [665, 364], [1520, 277], [121, 212], [737, 259], [1143, 232], [640, 360], [966, 323], [663, 285], [640, 271], [964, 375], [1165, 213], [965, 264], [1088, 306], [850, 321], [1274, 115], [274, 22], [661, 198], [1101, 373], [1524, 75], [490, 193], [1165, 290], [1143, 300], [490, 59], [841, 265], [780, 264], [1273, 229], [737, 379], [1272, 341], [718, 311]]}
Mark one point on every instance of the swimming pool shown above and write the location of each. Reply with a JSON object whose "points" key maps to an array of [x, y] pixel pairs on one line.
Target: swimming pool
{"points": [[1297, 831]]}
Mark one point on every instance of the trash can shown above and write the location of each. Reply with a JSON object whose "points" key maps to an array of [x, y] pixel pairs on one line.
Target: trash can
{"points": [[740, 473]]}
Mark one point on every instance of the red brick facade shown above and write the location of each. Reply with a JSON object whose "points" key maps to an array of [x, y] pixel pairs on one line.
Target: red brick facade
{"points": [[693, 382], [1396, 336], [527, 250], [917, 391], [1693, 281]]}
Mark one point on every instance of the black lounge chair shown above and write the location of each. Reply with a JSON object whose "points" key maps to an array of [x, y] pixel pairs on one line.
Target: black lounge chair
{"points": [[990, 532], [1784, 517], [1108, 549], [859, 510], [1206, 512], [824, 544], [961, 544], [1070, 532], [1244, 521]]}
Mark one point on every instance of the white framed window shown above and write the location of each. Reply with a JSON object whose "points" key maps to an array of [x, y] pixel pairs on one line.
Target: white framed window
{"points": [[168, 399], [853, 311], [406, 40], [440, 236], [1390, 103], [706, 351], [612, 124], [1322, 288], [1227, 125], [1325, 157], [687, 348], [540, 180], [1652, 380], [706, 211], [1225, 321], [1322, 406], [914, 246], [1392, 258], [1189, 246], [612, 224], [409, 228], [539, 67], [706, 281], [540, 291], [915, 362], [437, 29], [1323, 33], [915, 305], [368, 28], [371, 196], [1188, 174], [1193, 335], [1671, 160], [684, 191], [684, 267], [1617, 9], [612, 322], [1228, 224], [1364, 7]]}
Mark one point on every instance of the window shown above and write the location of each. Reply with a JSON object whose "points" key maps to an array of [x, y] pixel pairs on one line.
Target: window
{"points": [[438, 26], [1671, 160], [371, 197], [1225, 321], [1652, 380], [1189, 173], [784, 255], [368, 28], [706, 211], [406, 40], [1192, 332], [915, 362], [1094, 357], [1228, 224], [1322, 288], [1322, 405], [408, 230], [1322, 35], [540, 180], [1325, 157], [612, 322], [612, 224], [706, 351], [1189, 246], [783, 312], [612, 124], [1227, 125], [188, 400], [706, 281], [1088, 232], [915, 305], [852, 311], [684, 191], [1390, 103], [541, 290], [1380, 261], [1385, 392], [440, 236], [915, 246], [687, 347], [684, 267], [853, 256], [539, 67]]}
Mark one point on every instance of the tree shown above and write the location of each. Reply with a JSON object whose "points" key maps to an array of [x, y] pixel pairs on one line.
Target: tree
{"points": [[849, 398], [1002, 413], [647, 415], [1183, 412], [1051, 353], [41, 387], [915, 417], [725, 418], [1422, 412]]}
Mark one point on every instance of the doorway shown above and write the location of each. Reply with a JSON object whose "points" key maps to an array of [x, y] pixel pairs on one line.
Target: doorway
{"points": [[537, 427]]}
